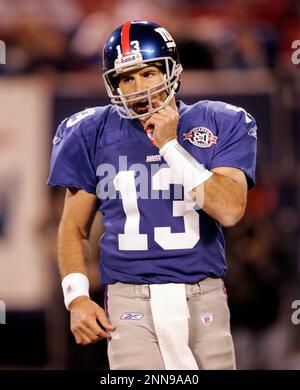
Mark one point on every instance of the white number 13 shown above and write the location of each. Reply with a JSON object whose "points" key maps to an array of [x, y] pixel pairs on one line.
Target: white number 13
{"points": [[132, 239]]}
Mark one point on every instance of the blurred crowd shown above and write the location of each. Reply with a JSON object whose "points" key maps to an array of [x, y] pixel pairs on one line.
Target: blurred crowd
{"points": [[262, 281], [212, 34]]}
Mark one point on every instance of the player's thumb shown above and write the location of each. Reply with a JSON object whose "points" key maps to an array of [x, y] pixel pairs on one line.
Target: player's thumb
{"points": [[104, 321]]}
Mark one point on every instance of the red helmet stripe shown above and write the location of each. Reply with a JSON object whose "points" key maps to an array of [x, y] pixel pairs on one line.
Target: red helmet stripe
{"points": [[125, 40]]}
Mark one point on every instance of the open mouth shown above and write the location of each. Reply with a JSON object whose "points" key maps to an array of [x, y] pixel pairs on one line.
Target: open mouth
{"points": [[141, 106]]}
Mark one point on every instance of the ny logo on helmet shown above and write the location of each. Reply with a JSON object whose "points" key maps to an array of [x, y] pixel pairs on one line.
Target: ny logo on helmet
{"points": [[166, 36]]}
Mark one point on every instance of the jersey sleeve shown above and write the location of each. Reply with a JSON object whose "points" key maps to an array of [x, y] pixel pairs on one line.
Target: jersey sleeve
{"points": [[72, 157], [237, 142]]}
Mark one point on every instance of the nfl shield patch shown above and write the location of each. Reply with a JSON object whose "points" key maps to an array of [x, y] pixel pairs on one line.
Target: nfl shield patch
{"points": [[207, 319]]}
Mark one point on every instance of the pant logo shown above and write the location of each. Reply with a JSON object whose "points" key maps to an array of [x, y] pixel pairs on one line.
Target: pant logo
{"points": [[207, 319], [131, 316]]}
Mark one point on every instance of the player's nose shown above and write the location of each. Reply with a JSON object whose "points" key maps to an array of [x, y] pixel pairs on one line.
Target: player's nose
{"points": [[139, 83]]}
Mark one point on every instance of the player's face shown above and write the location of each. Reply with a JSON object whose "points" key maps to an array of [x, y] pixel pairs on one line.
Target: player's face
{"points": [[142, 79]]}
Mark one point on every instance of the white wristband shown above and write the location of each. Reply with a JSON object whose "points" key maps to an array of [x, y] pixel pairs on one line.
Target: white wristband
{"points": [[74, 285], [184, 166]]}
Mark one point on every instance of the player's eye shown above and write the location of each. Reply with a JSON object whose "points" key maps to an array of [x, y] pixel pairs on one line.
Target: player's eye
{"points": [[127, 79], [149, 74]]}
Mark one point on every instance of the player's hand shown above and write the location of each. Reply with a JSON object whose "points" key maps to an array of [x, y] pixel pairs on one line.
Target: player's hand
{"points": [[165, 124], [84, 326]]}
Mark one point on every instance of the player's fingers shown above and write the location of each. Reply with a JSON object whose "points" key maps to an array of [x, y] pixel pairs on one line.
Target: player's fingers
{"points": [[83, 335], [77, 337], [164, 115], [169, 109], [88, 333], [85, 340], [166, 110], [149, 123], [104, 321], [97, 330], [81, 330], [168, 113], [155, 120], [157, 103]]}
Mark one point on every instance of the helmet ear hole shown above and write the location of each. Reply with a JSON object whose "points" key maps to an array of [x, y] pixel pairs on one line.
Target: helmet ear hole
{"points": [[114, 81]]}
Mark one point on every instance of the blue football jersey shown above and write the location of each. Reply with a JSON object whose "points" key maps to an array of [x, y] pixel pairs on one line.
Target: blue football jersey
{"points": [[153, 232]]}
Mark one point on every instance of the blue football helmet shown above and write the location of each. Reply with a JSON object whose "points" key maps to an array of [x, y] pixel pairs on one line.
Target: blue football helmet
{"points": [[133, 46]]}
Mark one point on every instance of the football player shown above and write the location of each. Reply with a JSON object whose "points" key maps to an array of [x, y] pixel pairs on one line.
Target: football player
{"points": [[166, 176]]}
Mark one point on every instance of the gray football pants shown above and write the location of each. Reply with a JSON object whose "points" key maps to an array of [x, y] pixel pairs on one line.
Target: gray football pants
{"points": [[134, 345]]}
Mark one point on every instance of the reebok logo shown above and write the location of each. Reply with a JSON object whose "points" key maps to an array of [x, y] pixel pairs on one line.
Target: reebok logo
{"points": [[131, 316], [124, 60], [155, 157]]}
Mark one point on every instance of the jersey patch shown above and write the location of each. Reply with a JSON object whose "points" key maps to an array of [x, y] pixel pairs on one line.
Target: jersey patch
{"points": [[201, 137]]}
